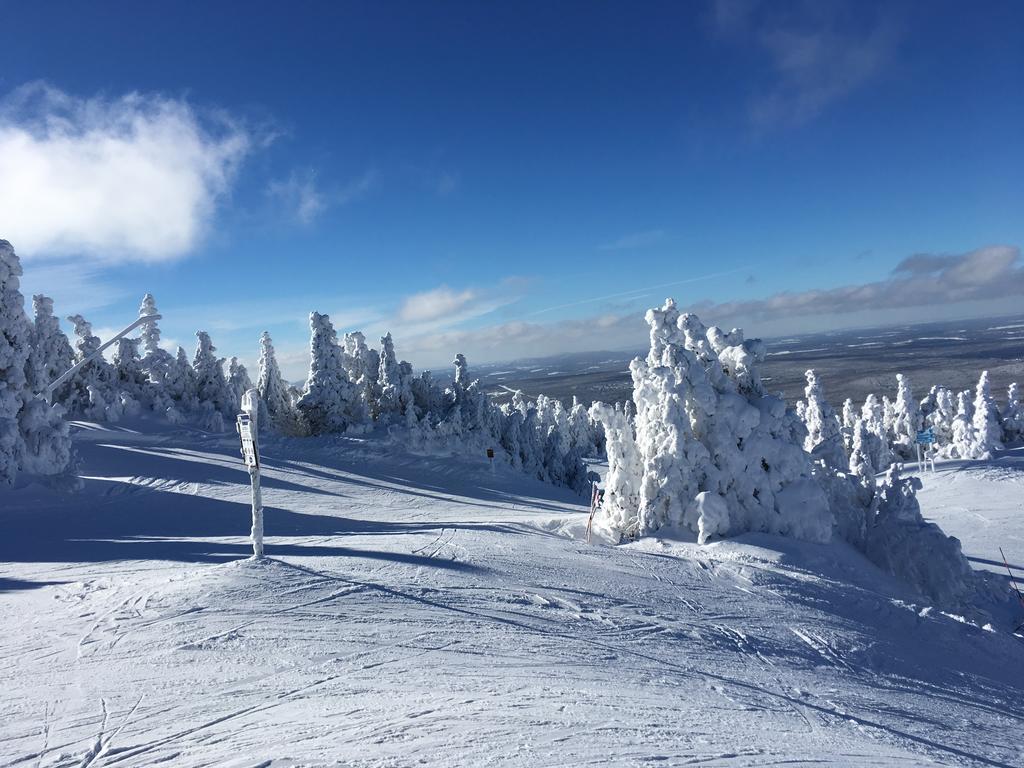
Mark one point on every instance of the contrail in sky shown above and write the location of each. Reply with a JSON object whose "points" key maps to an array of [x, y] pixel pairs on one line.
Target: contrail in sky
{"points": [[637, 291]]}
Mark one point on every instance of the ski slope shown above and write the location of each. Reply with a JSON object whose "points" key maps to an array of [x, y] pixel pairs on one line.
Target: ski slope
{"points": [[419, 610]]}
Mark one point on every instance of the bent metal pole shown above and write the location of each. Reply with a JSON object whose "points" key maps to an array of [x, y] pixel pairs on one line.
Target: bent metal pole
{"points": [[46, 393]]}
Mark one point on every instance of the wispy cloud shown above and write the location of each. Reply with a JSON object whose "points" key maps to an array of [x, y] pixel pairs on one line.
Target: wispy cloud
{"points": [[635, 241], [431, 305], [136, 177], [984, 274], [637, 292], [302, 197], [447, 183], [818, 52]]}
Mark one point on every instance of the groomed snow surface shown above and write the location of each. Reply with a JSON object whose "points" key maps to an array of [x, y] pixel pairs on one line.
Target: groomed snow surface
{"points": [[418, 610]]}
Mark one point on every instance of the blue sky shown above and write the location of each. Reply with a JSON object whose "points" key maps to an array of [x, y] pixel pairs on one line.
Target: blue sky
{"points": [[512, 179]]}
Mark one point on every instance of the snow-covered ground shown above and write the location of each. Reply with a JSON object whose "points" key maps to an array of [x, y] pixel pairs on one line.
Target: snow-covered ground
{"points": [[418, 610], [982, 504]]}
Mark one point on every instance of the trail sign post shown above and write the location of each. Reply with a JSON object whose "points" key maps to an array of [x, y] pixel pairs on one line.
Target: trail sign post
{"points": [[246, 424], [925, 437], [490, 458]]}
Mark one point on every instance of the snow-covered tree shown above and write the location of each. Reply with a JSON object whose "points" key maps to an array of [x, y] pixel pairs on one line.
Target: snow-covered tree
{"points": [[362, 364], [824, 436], [716, 454], [33, 436], [91, 392], [850, 415], [860, 457], [129, 375], [51, 354], [888, 417], [987, 432], [157, 362], [940, 420], [963, 440], [906, 418], [873, 415], [1013, 416], [625, 470], [275, 400], [212, 393], [394, 381], [326, 403], [238, 383]]}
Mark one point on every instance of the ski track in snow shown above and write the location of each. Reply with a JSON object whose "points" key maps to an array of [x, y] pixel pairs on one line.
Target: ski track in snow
{"points": [[420, 610]]}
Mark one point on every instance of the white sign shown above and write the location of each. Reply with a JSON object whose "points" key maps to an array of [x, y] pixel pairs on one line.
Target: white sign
{"points": [[245, 434]]}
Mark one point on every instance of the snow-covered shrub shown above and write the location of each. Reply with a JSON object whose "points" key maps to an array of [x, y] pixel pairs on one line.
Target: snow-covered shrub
{"points": [[1013, 416], [704, 424], [33, 436], [824, 436], [916, 552], [987, 431], [326, 403]]}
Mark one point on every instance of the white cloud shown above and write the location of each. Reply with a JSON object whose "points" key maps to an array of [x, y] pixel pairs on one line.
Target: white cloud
{"points": [[74, 286], [303, 199], [300, 195], [438, 303], [136, 177], [818, 52]]}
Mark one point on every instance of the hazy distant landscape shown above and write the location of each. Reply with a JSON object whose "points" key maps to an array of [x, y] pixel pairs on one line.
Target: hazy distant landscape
{"points": [[850, 363]]}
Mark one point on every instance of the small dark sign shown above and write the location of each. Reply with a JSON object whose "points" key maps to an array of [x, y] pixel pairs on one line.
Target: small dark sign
{"points": [[490, 453]]}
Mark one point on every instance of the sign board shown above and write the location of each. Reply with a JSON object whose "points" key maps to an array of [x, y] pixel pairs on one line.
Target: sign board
{"points": [[490, 453], [926, 437], [249, 453]]}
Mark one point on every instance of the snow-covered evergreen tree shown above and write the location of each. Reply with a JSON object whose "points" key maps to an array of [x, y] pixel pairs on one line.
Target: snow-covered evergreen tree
{"points": [[860, 457], [91, 391], [716, 455], [940, 420], [394, 381], [214, 398], [51, 354], [824, 436], [873, 415], [1013, 416], [33, 436], [850, 415], [276, 406], [326, 403], [625, 470], [963, 440], [238, 383], [158, 364], [987, 432], [362, 364], [906, 418]]}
